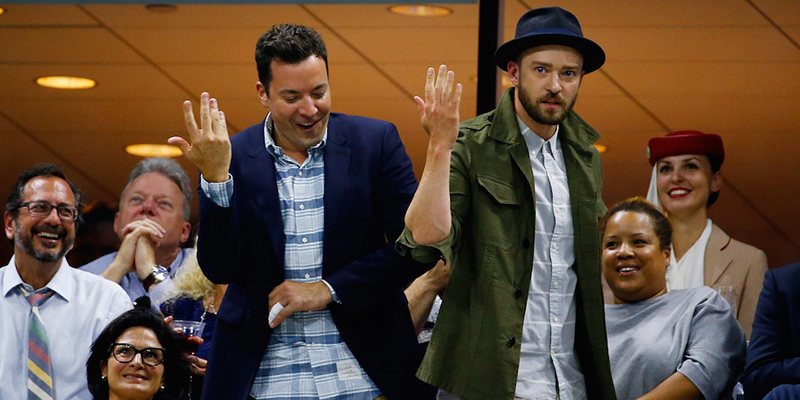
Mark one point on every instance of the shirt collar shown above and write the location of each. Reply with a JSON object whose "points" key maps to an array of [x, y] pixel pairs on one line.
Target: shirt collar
{"points": [[534, 141], [61, 284], [277, 151]]}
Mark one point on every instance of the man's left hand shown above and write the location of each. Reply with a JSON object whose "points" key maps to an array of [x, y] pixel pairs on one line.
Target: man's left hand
{"points": [[297, 296]]}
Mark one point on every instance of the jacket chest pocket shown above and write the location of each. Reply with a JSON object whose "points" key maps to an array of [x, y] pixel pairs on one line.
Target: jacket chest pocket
{"points": [[499, 191]]}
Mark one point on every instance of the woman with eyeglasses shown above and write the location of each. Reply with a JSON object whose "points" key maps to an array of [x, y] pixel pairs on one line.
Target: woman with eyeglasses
{"points": [[137, 356]]}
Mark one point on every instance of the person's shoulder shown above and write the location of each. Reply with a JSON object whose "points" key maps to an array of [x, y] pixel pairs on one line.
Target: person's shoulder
{"points": [[694, 296], [478, 123], [731, 244], [249, 135], [99, 265], [787, 273], [356, 123]]}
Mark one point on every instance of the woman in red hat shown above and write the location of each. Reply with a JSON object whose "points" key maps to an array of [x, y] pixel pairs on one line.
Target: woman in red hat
{"points": [[686, 181]]}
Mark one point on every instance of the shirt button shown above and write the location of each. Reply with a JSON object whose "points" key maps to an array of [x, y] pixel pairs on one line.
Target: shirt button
{"points": [[518, 293], [300, 173], [555, 319], [511, 341], [554, 246], [302, 207], [308, 276], [305, 240]]}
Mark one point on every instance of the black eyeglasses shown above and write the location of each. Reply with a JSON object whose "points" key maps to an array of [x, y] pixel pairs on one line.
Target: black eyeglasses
{"points": [[43, 208], [125, 353]]}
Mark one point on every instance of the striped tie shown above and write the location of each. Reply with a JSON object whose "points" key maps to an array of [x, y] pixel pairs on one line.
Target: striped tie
{"points": [[40, 382]]}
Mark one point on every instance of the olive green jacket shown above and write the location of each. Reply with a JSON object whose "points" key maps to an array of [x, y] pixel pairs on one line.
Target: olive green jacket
{"points": [[475, 349]]}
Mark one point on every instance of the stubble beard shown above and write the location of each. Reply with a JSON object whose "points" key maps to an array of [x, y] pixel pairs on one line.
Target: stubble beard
{"points": [[25, 242], [541, 116]]}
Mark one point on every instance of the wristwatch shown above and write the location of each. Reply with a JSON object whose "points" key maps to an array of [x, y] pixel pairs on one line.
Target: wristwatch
{"points": [[157, 275]]}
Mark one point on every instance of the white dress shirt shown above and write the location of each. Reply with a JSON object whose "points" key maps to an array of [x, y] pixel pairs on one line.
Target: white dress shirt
{"points": [[82, 306], [548, 365]]}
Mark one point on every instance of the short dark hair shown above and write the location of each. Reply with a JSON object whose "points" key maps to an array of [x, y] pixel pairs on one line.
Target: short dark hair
{"points": [[290, 44], [14, 201], [172, 171], [660, 223], [176, 368]]}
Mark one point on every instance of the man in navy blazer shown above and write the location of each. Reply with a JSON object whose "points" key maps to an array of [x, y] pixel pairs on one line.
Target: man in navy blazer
{"points": [[297, 215], [773, 355]]}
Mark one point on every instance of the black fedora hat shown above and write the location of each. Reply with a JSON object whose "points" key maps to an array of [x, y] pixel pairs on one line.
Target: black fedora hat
{"points": [[550, 25]]}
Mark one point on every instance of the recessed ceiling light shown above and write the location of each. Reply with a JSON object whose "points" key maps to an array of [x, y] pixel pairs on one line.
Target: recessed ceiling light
{"points": [[421, 10], [602, 149], [161, 8], [66, 82], [154, 150]]}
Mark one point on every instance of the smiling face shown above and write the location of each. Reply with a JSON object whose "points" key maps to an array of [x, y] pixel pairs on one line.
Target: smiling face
{"points": [[634, 263], [44, 239], [685, 182], [547, 80], [300, 101], [154, 196], [134, 379]]}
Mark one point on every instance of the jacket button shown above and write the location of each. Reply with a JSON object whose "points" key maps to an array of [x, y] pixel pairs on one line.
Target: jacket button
{"points": [[526, 243], [511, 341], [518, 293]]}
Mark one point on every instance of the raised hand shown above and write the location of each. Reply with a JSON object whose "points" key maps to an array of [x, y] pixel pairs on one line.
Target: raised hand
{"points": [[439, 110], [210, 147]]}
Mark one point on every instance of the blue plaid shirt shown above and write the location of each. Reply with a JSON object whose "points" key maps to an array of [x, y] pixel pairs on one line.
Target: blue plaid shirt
{"points": [[305, 358]]}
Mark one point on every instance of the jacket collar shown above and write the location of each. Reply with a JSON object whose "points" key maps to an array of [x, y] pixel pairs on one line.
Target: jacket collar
{"points": [[716, 260], [576, 132]]}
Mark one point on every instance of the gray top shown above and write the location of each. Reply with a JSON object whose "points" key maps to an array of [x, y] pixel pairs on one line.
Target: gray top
{"points": [[691, 331]]}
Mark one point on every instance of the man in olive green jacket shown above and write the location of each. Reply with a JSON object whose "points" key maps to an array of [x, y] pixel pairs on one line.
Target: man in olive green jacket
{"points": [[486, 226]]}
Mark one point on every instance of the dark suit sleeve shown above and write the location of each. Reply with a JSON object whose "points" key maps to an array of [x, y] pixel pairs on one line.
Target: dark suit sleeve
{"points": [[768, 360], [383, 271], [218, 230]]}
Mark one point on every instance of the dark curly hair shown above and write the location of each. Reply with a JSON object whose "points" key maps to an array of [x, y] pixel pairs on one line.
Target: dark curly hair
{"points": [[176, 368], [288, 43], [661, 226], [14, 200]]}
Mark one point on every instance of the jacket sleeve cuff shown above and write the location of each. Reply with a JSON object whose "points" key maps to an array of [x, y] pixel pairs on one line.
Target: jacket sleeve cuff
{"points": [[442, 250]]}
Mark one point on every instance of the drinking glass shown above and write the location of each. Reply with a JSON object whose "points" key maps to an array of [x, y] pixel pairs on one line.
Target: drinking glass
{"points": [[729, 294], [189, 329]]}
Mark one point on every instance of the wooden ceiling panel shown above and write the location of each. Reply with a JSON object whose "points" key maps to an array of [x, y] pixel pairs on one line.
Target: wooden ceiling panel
{"points": [[407, 45], [130, 81], [783, 12], [379, 16], [718, 114], [30, 15], [692, 44], [705, 79], [201, 16], [63, 45]]}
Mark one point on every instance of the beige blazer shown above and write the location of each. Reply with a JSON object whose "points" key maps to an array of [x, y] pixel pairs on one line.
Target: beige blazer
{"points": [[729, 262]]}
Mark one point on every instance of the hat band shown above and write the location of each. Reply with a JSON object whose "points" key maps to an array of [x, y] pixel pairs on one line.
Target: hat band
{"points": [[553, 31]]}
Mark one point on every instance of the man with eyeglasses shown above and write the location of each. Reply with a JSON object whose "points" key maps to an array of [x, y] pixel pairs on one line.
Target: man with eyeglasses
{"points": [[51, 313]]}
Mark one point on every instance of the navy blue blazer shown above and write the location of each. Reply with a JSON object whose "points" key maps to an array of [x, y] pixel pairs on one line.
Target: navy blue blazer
{"points": [[369, 184], [773, 356]]}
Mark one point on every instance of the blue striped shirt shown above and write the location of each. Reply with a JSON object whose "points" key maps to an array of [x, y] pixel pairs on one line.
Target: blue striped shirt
{"points": [[305, 358]]}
